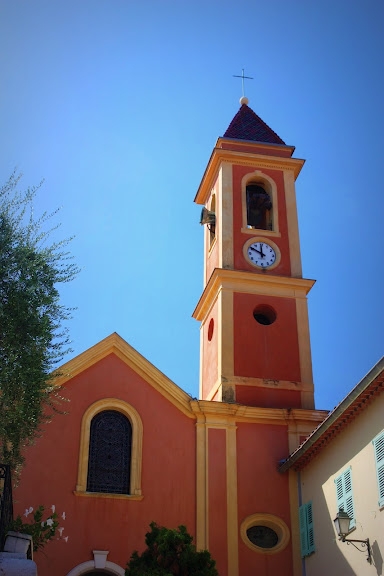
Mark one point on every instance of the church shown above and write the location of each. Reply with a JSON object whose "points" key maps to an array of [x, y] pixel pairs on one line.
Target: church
{"points": [[135, 448]]}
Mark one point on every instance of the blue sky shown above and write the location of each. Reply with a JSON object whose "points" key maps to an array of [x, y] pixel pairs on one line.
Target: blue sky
{"points": [[118, 104]]}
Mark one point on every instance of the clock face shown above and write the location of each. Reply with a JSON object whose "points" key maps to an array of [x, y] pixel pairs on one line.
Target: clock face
{"points": [[261, 254]]}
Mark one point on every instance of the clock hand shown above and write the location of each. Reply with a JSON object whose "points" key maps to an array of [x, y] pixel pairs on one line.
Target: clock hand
{"points": [[261, 250], [252, 248]]}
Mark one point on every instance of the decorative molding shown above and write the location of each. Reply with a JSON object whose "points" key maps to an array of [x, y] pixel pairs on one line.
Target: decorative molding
{"points": [[250, 283], [256, 161], [221, 414], [86, 567]]}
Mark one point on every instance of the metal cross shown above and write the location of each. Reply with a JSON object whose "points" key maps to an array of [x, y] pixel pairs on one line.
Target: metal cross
{"points": [[242, 78]]}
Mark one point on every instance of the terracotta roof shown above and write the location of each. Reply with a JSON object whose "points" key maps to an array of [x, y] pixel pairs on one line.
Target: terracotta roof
{"points": [[357, 400], [247, 125]]}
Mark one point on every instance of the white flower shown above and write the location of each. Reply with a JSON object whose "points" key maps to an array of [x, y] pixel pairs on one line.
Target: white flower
{"points": [[28, 511], [63, 515], [42, 524], [53, 508], [60, 531], [65, 538], [49, 522]]}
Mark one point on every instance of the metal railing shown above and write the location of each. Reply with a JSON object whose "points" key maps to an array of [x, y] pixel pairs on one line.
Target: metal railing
{"points": [[6, 502]]}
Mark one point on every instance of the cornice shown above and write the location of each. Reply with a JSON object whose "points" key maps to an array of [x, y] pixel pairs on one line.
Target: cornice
{"points": [[220, 155], [114, 344], [219, 412], [360, 397], [250, 283]]}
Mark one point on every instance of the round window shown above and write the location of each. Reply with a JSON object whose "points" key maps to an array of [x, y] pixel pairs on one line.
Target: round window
{"points": [[264, 315], [264, 533], [262, 536]]}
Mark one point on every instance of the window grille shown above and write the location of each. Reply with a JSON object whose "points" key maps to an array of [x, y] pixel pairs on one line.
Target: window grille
{"points": [[109, 460]]}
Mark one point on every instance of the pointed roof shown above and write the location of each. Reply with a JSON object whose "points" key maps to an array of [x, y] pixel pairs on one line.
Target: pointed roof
{"points": [[247, 125]]}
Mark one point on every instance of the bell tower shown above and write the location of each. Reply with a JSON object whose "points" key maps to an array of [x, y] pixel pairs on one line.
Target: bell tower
{"points": [[255, 347]]}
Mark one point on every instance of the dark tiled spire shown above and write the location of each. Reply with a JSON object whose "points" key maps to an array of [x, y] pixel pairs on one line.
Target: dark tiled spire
{"points": [[247, 125]]}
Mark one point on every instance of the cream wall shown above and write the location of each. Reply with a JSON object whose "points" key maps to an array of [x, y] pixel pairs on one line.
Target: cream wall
{"points": [[352, 447]]}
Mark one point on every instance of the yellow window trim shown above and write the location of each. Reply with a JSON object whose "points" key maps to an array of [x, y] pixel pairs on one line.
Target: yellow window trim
{"points": [[136, 449], [107, 495], [258, 177], [271, 521]]}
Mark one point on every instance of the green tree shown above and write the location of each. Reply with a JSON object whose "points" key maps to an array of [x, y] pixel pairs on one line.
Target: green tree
{"points": [[33, 338], [168, 553]]}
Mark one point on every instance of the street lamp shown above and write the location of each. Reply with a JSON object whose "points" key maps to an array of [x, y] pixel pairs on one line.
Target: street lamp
{"points": [[342, 526]]}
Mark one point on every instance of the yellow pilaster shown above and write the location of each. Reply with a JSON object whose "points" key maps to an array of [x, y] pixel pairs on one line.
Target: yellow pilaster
{"points": [[295, 533], [232, 522], [305, 353], [201, 485], [293, 226], [225, 216]]}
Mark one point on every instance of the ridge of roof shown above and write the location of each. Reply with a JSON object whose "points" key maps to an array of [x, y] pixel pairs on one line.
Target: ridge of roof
{"points": [[247, 125], [355, 402]]}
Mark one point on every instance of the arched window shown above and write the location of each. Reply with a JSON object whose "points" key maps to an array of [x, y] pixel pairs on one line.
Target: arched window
{"points": [[109, 461], [110, 455], [259, 207], [212, 228]]}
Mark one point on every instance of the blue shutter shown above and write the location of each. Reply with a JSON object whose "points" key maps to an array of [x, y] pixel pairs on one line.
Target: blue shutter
{"points": [[344, 494], [303, 531], [378, 444], [311, 539], [307, 542]]}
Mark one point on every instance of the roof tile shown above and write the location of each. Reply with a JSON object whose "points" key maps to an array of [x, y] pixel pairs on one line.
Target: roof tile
{"points": [[246, 125]]}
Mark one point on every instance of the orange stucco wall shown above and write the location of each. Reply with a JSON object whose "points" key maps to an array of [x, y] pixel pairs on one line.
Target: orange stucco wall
{"points": [[261, 489], [217, 493], [168, 474], [210, 353], [272, 351], [268, 397], [239, 238]]}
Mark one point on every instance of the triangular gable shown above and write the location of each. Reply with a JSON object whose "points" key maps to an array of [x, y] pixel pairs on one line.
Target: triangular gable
{"points": [[114, 344]]}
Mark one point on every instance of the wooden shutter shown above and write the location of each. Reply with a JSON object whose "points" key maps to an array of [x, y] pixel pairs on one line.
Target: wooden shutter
{"points": [[303, 531], [307, 542], [344, 494], [378, 444], [311, 540]]}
